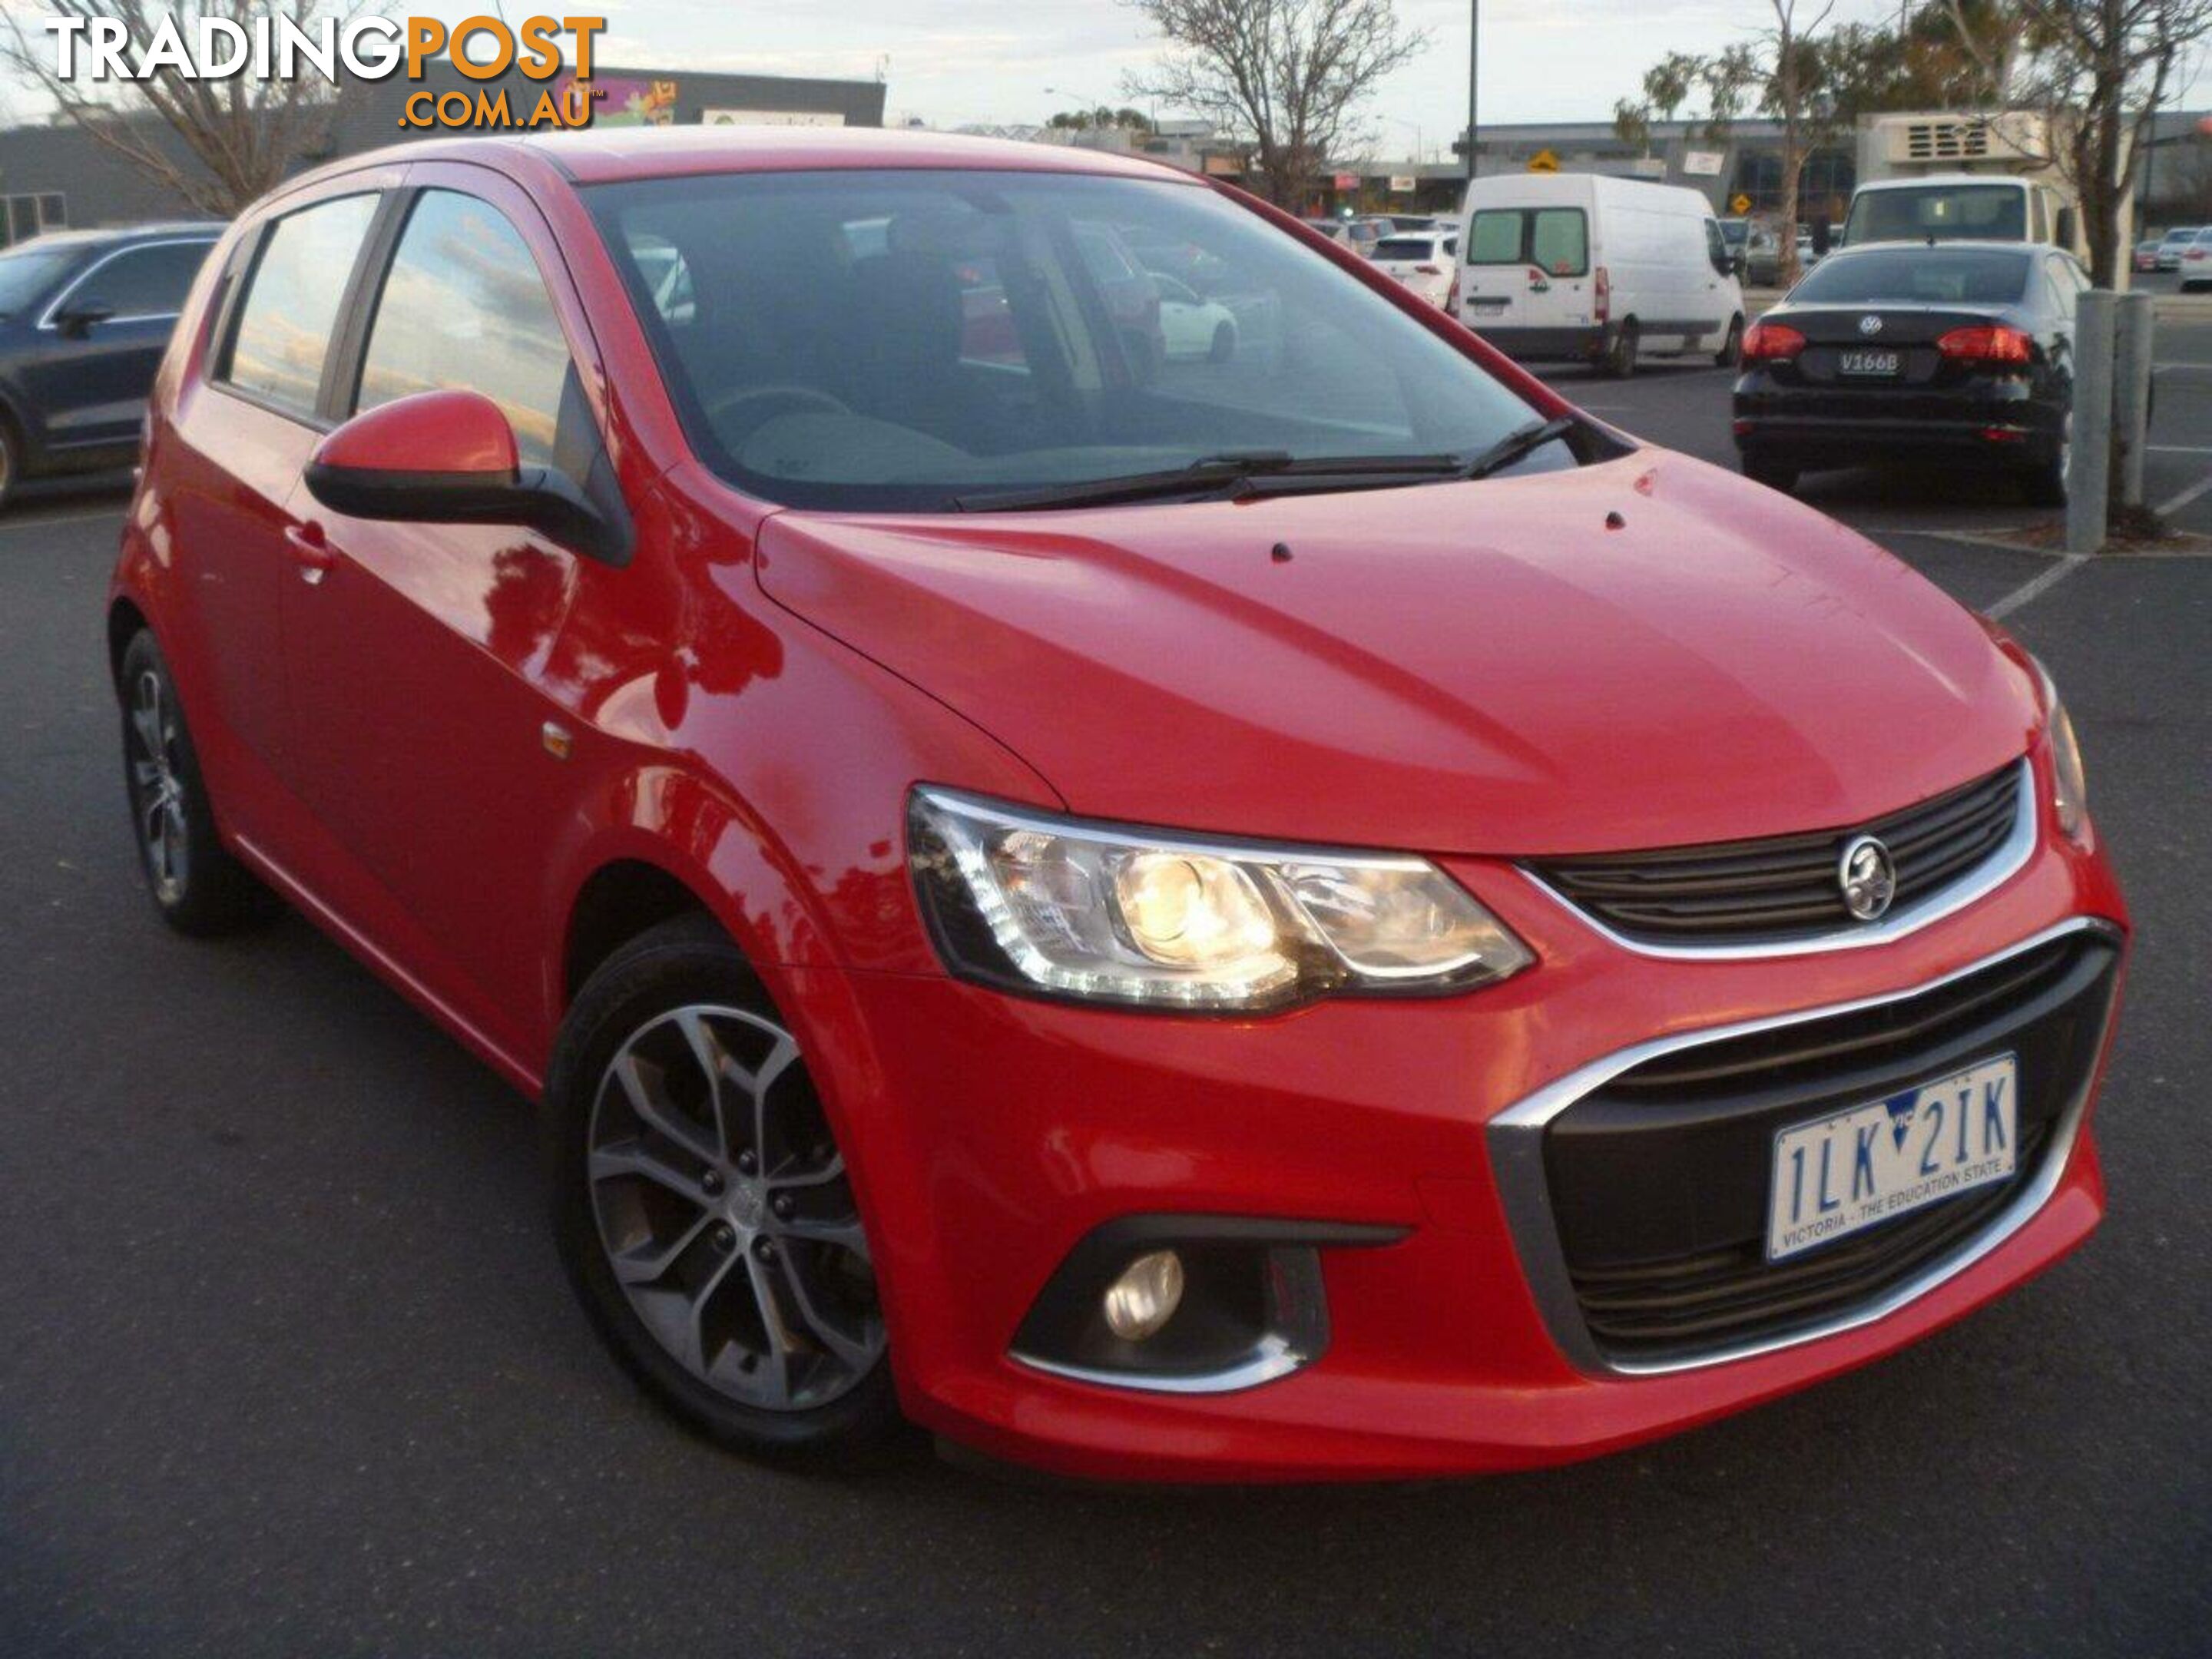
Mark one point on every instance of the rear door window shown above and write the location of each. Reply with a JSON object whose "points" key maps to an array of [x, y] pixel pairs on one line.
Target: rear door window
{"points": [[292, 299], [464, 307], [141, 283], [1554, 240]]}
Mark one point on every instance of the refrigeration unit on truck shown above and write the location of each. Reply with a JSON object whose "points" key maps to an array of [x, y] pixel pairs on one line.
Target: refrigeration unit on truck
{"points": [[1949, 177]]}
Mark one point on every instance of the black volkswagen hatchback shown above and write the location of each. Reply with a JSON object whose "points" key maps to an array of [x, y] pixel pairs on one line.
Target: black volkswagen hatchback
{"points": [[84, 317], [1900, 351]]}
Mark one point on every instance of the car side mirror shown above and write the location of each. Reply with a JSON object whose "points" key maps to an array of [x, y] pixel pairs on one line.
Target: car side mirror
{"points": [[1737, 262], [450, 458], [76, 320], [2066, 227]]}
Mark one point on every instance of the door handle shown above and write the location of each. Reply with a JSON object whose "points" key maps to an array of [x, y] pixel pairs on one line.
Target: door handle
{"points": [[311, 551]]}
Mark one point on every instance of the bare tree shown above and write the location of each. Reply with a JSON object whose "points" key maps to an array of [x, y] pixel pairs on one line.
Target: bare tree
{"points": [[2097, 71], [1291, 73], [218, 143], [1786, 74]]}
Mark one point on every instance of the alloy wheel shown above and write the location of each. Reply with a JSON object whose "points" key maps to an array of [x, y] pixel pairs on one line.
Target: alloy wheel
{"points": [[157, 791], [724, 1212]]}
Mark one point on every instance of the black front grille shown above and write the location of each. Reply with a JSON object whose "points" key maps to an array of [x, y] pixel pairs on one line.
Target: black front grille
{"points": [[1786, 888], [1658, 1180]]}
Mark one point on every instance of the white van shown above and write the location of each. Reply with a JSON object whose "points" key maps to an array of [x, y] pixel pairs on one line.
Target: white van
{"points": [[1580, 266]]}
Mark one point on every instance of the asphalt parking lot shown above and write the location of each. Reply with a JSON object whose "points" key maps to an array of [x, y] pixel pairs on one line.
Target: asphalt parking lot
{"points": [[287, 1366]]}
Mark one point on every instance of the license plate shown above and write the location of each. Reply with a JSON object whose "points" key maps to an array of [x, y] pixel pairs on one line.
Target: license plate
{"points": [[1871, 362], [1838, 1174]]}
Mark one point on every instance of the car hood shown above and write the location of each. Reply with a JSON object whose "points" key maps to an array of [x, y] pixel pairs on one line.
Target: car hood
{"points": [[1648, 652]]}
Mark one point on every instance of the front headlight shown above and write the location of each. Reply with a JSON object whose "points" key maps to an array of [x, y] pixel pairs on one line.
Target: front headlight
{"points": [[1029, 903], [2069, 793]]}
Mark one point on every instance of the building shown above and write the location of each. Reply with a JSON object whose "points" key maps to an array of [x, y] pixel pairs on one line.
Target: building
{"points": [[51, 174]]}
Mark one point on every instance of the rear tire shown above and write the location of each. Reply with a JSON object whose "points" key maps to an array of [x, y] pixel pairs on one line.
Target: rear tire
{"points": [[1775, 475], [1732, 346], [1619, 362], [2045, 484], [11, 462], [197, 885], [708, 1226]]}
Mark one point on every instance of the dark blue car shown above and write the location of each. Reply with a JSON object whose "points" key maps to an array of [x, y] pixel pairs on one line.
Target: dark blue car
{"points": [[84, 317]]}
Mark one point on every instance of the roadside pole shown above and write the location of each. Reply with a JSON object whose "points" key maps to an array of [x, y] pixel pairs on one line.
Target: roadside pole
{"points": [[2131, 392], [2088, 469]]}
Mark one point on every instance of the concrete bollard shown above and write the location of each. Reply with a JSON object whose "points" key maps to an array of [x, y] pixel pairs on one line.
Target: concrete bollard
{"points": [[2131, 371], [2089, 467]]}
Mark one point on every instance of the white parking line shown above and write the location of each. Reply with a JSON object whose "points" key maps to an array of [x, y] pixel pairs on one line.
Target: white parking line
{"points": [[2038, 587], [2178, 502]]}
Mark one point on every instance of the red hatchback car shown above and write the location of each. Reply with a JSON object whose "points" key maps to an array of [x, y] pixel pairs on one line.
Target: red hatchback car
{"points": [[1307, 911]]}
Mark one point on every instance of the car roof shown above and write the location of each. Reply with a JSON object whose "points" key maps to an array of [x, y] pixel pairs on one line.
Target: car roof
{"points": [[606, 154]]}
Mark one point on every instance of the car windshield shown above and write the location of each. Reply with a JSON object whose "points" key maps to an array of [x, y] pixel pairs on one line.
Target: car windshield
{"points": [[911, 339], [1917, 276], [1996, 213], [27, 273]]}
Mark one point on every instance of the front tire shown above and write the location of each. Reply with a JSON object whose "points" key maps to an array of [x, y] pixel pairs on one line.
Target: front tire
{"points": [[1224, 342], [197, 885], [702, 1210], [1731, 345]]}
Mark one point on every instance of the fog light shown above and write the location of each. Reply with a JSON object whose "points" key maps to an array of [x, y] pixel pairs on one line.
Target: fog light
{"points": [[1144, 1297]]}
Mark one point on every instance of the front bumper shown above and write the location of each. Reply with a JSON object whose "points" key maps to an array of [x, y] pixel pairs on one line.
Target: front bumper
{"points": [[992, 1134]]}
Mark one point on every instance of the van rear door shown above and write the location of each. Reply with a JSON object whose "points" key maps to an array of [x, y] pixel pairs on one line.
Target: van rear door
{"points": [[1528, 280]]}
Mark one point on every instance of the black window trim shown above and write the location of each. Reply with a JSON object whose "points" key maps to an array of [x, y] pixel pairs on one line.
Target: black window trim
{"points": [[53, 306]]}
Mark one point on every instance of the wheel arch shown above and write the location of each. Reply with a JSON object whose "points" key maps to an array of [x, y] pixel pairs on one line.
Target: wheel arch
{"points": [[621, 899], [124, 622]]}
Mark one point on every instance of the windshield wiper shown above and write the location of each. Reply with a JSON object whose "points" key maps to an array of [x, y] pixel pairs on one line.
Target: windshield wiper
{"points": [[1208, 473], [1518, 445]]}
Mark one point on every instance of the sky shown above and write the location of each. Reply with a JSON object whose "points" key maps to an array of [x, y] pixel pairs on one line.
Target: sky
{"points": [[955, 62]]}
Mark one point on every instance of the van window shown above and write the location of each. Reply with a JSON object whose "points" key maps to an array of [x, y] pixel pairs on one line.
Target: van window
{"points": [[142, 281], [463, 306], [1554, 240], [1994, 213], [291, 301]]}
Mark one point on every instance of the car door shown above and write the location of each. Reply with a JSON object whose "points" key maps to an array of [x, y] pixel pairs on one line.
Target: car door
{"points": [[101, 337], [237, 439], [414, 655]]}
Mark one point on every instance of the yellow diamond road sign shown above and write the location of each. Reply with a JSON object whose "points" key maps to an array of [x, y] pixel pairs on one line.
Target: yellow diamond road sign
{"points": [[1543, 162], [1740, 205]]}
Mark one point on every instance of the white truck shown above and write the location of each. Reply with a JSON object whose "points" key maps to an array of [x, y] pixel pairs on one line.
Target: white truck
{"points": [[1947, 176]]}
